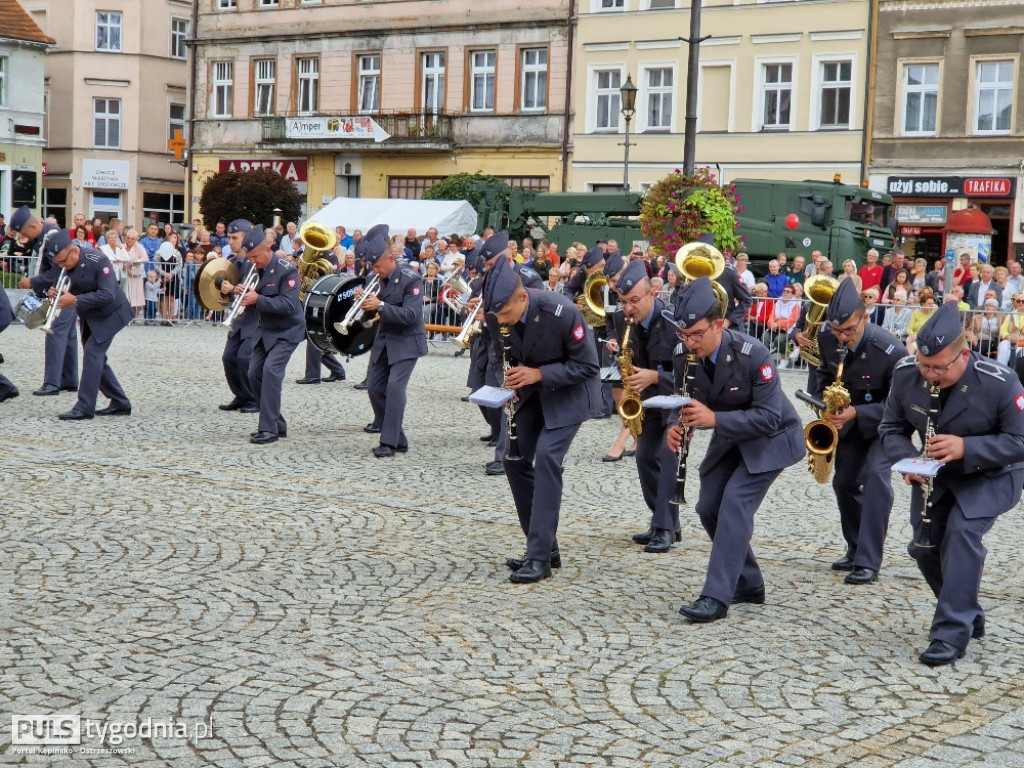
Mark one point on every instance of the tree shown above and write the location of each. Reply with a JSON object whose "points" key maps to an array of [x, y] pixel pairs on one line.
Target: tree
{"points": [[251, 195], [471, 187]]}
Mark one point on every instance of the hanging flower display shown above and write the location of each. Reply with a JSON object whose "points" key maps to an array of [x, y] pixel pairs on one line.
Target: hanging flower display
{"points": [[678, 209]]}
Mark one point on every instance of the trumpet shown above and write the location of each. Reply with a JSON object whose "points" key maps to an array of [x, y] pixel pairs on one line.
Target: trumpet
{"points": [[355, 312], [63, 283], [236, 307], [470, 328]]}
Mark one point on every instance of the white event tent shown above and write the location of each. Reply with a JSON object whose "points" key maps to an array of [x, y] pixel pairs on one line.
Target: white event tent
{"points": [[353, 213]]}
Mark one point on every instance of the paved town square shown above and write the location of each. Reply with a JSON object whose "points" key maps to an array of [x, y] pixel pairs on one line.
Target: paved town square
{"points": [[306, 604]]}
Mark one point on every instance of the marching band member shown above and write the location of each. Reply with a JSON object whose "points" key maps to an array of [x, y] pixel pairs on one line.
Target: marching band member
{"points": [[315, 357], [7, 388], [104, 310], [400, 341], [652, 340], [551, 363], [60, 350], [863, 478], [978, 433], [237, 354], [279, 329], [757, 434]]}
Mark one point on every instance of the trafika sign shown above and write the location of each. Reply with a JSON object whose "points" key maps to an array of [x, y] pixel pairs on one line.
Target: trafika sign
{"points": [[293, 170]]}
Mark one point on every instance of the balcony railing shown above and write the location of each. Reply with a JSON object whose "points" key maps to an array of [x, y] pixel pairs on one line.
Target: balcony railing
{"points": [[404, 127]]}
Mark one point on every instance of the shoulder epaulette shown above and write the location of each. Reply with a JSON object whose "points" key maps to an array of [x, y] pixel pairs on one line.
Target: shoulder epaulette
{"points": [[410, 272], [991, 369], [284, 263], [906, 362], [680, 349]]}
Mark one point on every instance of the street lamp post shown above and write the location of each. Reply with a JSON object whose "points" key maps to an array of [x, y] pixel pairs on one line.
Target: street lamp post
{"points": [[628, 95]]}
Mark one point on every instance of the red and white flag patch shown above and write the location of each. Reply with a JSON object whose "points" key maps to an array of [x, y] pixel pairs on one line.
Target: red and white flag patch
{"points": [[106, 270], [415, 290], [1019, 402], [767, 372], [578, 332], [291, 282]]}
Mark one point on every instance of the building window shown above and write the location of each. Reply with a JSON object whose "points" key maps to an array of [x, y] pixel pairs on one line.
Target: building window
{"points": [[776, 94], [993, 96], [227, 5], [836, 89], [223, 85], [167, 206], [654, 5], [308, 71], [106, 121], [659, 85], [607, 99], [534, 83], [175, 121], [611, 5], [369, 83], [920, 99], [55, 203], [269, 3], [108, 31], [105, 205], [179, 34], [264, 76], [432, 87], [481, 70], [3, 81]]}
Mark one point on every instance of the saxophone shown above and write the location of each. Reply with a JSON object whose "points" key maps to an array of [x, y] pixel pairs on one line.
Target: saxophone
{"points": [[924, 535], [820, 436], [630, 409]]}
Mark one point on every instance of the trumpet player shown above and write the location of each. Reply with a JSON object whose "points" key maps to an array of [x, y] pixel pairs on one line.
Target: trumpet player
{"points": [[735, 391], [652, 340], [60, 349], [104, 310], [238, 346], [279, 329], [863, 478], [978, 435]]}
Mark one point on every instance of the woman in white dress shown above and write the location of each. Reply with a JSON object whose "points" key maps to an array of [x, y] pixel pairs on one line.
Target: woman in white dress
{"points": [[135, 270]]}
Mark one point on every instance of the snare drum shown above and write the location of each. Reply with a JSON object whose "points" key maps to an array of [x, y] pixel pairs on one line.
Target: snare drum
{"points": [[327, 303], [32, 310]]}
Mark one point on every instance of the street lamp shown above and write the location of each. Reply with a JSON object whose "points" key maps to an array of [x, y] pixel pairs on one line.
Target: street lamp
{"points": [[628, 95], [277, 216]]}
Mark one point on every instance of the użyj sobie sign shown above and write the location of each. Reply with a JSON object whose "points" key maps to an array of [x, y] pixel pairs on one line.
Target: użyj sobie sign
{"points": [[293, 170], [334, 128], [952, 186], [105, 174]]}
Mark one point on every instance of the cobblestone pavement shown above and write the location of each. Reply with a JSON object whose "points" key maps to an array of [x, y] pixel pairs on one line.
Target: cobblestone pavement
{"points": [[326, 608]]}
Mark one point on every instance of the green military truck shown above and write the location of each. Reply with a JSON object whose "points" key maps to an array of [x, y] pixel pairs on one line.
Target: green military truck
{"points": [[797, 217]]}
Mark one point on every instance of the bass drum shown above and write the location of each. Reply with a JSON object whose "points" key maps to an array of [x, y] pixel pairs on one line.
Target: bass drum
{"points": [[327, 303]]}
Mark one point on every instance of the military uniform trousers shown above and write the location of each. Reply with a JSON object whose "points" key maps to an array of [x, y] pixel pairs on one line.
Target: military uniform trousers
{"points": [[236, 359], [315, 357], [266, 376], [536, 479], [952, 567], [656, 465], [864, 494], [60, 351], [386, 384], [729, 497], [97, 375]]}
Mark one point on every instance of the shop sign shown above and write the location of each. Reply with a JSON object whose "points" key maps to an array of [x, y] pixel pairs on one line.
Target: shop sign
{"points": [[951, 186], [292, 170], [105, 174], [921, 214], [910, 231]]}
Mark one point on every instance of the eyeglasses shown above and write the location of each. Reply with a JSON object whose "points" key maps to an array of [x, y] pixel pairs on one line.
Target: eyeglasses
{"points": [[692, 336], [634, 302], [847, 331], [1018, 301], [938, 370]]}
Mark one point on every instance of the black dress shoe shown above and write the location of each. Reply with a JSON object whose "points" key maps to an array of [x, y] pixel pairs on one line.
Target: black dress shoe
{"points": [[402, 448], [9, 395], [494, 468], [69, 389], [531, 572], [335, 377], [249, 409], [47, 390], [754, 595], [279, 434], [383, 451], [492, 443], [261, 438], [308, 380], [704, 610], [861, 576], [113, 410], [464, 398], [234, 405], [486, 438], [845, 564], [372, 429], [979, 628], [646, 536], [361, 385], [74, 415], [460, 352], [661, 541], [939, 653], [609, 457], [515, 563]]}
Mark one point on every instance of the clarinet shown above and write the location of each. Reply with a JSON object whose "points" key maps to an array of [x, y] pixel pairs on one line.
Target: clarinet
{"points": [[925, 531], [510, 406], [679, 497]]}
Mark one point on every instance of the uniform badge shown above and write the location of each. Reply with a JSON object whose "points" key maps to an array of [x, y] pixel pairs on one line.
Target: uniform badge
{"points": [[867, 398], [415, 290], [291, 282], [767, 373], [1019, 402], [578, 333]]}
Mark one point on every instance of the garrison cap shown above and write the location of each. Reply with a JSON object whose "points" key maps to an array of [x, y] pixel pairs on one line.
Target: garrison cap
{"points": [[254, 238], [530, 278], [593, 257], [20, 218], [940, 330], [613, 264], [695, 301], [239, 225], [499, 286], [494, 245], [57, 242], [632, 276], [844, 303], [373, 243]]}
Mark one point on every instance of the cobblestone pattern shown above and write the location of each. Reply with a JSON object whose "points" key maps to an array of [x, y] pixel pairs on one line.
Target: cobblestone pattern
{"points": [[326, 608]]}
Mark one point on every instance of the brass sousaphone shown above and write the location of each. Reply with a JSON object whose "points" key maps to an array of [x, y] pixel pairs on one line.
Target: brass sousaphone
{"points": [[318, 239], [696, 260]]}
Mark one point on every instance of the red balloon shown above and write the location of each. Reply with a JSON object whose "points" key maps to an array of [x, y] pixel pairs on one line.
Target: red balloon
{"points": [[792, 221]]}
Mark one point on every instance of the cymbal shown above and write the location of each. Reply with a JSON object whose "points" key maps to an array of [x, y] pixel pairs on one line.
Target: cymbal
{"points": [[206, 287]]}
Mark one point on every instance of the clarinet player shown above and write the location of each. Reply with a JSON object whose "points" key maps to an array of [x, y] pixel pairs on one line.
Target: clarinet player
{"points": [[979, 437]]}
